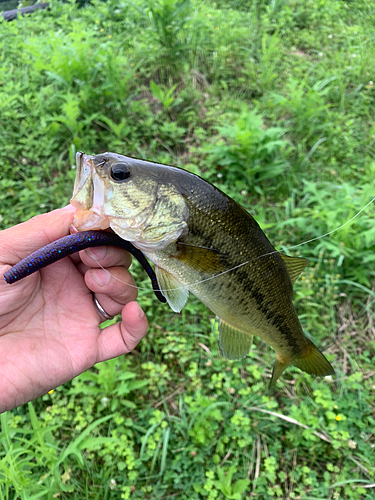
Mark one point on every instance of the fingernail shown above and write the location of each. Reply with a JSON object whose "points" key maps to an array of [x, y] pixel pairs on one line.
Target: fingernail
{"points": [[100, 276], [140, 312], [97, 253]]}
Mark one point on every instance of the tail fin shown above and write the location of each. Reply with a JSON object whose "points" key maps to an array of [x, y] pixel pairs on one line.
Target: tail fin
{"points": [[313, 361], [310, 361], [278, 369]]}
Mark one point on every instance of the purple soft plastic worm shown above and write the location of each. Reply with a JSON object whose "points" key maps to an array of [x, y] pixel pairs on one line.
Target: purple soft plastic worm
{"points": [[74, 243]]}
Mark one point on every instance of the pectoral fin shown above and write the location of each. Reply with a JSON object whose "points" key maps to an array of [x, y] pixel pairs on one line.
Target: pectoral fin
{"points": [[201, 259], [235, 344], [294, 266], [175, 293]]}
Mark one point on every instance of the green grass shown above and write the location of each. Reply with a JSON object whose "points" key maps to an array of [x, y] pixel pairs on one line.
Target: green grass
{"points": [[273, 102]]}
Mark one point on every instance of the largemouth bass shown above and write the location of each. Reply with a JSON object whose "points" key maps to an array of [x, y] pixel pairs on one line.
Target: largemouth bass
{"points": [[198, 240]]}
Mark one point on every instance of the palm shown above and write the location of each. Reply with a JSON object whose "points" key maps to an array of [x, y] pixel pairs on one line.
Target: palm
{"points": [[49, 327], [56, 325]]}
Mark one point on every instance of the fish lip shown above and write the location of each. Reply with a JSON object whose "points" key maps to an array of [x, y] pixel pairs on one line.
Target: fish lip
{"points": [[85, 198], [92, 199], [82, 192]]}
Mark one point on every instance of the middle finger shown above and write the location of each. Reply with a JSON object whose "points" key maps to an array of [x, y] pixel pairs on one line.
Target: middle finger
{"points": [[115, 282]]}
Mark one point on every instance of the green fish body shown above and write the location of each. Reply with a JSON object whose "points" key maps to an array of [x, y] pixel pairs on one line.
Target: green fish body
{"points": [[203, 242]]}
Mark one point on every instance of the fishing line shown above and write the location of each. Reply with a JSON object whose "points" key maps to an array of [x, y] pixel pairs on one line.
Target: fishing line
{"points": [[248, 261]]}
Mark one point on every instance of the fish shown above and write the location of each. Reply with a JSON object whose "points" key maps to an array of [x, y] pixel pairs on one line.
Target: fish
{"points": [[200, 241]]}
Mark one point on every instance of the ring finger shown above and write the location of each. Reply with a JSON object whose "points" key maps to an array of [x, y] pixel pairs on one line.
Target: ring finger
{"points": [[113, 288]]}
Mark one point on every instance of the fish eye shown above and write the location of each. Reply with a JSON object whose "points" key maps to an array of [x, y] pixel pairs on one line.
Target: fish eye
{"points": [[120, 172]]}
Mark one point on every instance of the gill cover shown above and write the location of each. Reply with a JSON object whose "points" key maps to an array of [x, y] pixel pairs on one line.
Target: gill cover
{"points": [[129, 196]]}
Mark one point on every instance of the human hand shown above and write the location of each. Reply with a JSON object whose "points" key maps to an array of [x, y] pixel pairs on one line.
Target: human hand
{"points": [[49, 326]]}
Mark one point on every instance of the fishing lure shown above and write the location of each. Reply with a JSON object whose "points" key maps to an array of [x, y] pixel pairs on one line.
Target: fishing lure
{"points": [[73, 243]]}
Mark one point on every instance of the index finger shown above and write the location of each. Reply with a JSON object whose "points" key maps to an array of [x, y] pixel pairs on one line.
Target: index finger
{"points": [[105, 257]]}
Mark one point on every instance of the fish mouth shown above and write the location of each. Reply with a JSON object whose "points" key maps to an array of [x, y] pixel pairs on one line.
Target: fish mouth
{"points": [[150, 225], [88, 196], [83, 188]]}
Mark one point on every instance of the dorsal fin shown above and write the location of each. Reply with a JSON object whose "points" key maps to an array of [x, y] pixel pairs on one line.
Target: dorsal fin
{"points": [[294, 266]]}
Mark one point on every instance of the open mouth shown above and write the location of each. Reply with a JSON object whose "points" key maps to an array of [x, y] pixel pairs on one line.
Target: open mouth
{"points": [[88, 196], [83, 186]]}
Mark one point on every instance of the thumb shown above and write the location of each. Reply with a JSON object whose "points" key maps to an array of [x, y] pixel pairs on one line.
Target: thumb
{"points": [[19, 241]]}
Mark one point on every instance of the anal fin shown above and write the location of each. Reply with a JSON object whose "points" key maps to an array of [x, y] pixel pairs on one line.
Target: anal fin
{"points": [[234, 343]]}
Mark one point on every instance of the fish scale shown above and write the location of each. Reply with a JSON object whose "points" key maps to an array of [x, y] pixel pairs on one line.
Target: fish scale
{"points": [[198, 239]]}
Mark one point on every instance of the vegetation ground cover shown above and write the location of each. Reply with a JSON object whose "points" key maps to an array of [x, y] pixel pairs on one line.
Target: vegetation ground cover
{"points": [[273, 102]]}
